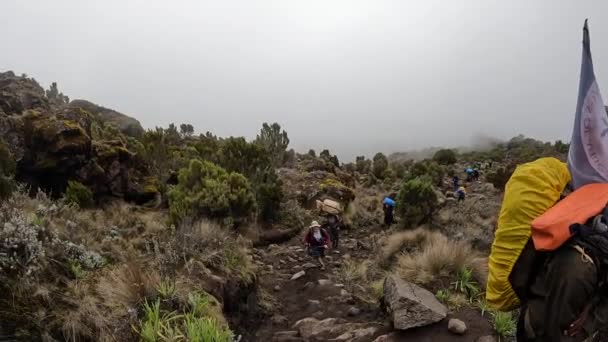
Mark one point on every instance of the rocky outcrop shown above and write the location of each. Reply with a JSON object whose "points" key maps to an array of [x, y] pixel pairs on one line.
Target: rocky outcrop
{"points": [[126, 124], [18, 94], [56, 143], [411, 306], [307, 187]]}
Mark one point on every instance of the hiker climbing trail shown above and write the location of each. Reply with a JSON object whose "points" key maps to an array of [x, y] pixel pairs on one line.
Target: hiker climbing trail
{"points": [[312, 303]]}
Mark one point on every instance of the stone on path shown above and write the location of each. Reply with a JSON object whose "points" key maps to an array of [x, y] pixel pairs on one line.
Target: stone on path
{"points": [[308, 265], [335, 329], [324, 282], [457, 326], [286, 336], [354, 311], [277, 288], [298, 275], [411, 306], [488, 338]]}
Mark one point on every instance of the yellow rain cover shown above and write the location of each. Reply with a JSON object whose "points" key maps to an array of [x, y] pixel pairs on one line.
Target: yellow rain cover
{"points": [[532, 189]]}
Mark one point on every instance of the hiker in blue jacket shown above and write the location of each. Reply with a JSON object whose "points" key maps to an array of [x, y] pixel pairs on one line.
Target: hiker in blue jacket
{"points": [[388, 205]]}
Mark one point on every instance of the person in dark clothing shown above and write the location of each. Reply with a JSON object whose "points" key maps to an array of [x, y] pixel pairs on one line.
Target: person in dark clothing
{"points": [[333, 225], [389, 219], [317, 241], [563, 292], [456, 182]]}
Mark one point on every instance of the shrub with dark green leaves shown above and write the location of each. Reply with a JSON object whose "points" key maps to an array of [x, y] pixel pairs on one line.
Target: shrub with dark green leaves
{"points": [[426, 168], [416, 201], [326, 155], [380, 165], [253, 161], [7, 170], [500, 176], [274, 141], [445, 157], [207, 190], [363, 165], [78, 194]]}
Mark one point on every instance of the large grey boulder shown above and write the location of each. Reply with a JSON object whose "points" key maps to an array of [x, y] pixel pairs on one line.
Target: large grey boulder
{"points": [[411, 306]]}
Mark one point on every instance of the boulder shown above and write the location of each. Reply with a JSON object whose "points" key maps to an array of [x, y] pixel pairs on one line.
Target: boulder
{"points": [[457, 326], [411, 306]]}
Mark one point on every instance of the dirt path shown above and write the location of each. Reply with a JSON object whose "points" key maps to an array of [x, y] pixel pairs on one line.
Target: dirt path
{"points": [[322, 295]]}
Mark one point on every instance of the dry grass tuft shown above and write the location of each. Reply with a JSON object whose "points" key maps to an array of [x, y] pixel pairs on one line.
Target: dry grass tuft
{"points": [[406, 241], [128, 286], [429, 258]]}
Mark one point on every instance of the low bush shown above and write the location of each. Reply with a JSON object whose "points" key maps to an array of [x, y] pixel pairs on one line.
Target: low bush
{"points": [[78, 194], [416, 202], [207, 190], [445, 157]]}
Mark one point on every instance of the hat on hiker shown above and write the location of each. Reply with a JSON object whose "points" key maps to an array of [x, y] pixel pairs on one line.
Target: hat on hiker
{"points": [[314, 224]]}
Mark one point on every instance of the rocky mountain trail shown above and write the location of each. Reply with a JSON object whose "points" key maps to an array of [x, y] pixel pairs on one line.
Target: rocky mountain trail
{"points": [[316, 305]]}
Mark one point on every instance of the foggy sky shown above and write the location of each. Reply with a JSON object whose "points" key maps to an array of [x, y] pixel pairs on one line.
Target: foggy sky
{"points": [[354, 76]]}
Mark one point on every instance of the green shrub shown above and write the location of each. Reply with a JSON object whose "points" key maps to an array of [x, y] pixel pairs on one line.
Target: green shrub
{"points": [[445, 157], [500, 176], [363, 165], [380, 165], [326, 155], [253, 161], [428, 168], [275, 141], [207, 190], [78, 194], [416, 201], [7, 170]]}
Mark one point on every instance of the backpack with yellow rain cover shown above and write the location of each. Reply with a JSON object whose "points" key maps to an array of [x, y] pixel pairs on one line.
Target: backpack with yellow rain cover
{"points": [[532, 189]]}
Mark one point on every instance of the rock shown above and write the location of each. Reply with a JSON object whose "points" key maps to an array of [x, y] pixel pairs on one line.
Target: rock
{"points": [[286, 336], [296, 267], [291, 259], [358, 335], [270, 268], [353, 311], [308, 285], [282, 262], [457, 326], [346, 256], [344, 293], [339, 285], [308, 265], [336, 252], [324, 282], [411, 306], [279, 320], [18, 94], [314, 302], [335, 329], [298, 275], [277, 288], [488, 338]]}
